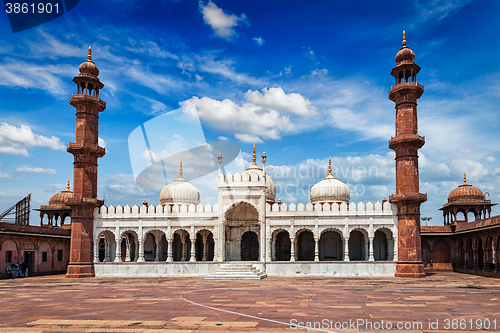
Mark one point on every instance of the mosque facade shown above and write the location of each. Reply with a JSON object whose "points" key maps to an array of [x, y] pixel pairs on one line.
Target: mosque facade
{"points": [[247, 233]]}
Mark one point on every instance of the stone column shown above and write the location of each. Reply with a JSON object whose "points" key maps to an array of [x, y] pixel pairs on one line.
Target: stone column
{"points": [[169, 250], [346, 249], [476, 258], [193, 249], [184, 249], [127, 254], [292, 249], [157, 246], [316, 249], [118, 252], [136, 251], [141, 251], [268, 242], [205, 248], [106, 250], [96, 250], [371, 258], [485, 256]]}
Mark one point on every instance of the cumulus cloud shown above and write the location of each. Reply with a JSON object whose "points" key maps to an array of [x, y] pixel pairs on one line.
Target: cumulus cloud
{"points": [[259, 40], [266, 115], [31, 169], [277, 99], [221, 22], [490, 159], [223, 138], [14, 140], [5, 175]]}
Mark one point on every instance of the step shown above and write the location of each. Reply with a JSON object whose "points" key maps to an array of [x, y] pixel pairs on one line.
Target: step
{"points": [[236, 272]]}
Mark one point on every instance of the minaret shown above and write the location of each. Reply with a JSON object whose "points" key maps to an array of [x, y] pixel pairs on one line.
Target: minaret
{"points": [[406, 144], [86, 151]]}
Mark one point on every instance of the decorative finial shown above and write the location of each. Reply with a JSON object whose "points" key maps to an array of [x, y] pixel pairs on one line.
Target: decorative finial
{"points": [[254, 157], [465, 179], [180, 170], [404, 38], [330, 166], [67, 186], [89, 57]]}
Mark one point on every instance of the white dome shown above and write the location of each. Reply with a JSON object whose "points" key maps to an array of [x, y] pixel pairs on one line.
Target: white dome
{"points": [[180, 192], [330, 189]]}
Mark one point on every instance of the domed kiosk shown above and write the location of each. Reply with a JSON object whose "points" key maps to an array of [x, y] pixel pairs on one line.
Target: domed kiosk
{"points": [[180, 192], [465, 199], [57, 208], [330, 189]]}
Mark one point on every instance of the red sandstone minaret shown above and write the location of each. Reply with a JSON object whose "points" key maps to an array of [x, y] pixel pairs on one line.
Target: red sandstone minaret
{"points": [[406, 144], [86, 151]]}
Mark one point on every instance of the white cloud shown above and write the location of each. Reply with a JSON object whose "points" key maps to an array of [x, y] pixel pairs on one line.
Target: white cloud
{"points": [[440, 9], [248, 138], [490, 159], [222, 23], [101, 142], [30, 169], [277, 99], [223, 138], [5, 175], [259, 40], [15, 140], [263, 117]]}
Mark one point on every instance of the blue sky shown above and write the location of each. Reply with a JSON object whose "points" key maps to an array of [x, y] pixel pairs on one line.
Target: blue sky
{"points": [[303, 80]]}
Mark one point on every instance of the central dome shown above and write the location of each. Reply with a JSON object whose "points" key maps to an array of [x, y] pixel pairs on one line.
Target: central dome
{"points": [[180, 192], [330, 189]]}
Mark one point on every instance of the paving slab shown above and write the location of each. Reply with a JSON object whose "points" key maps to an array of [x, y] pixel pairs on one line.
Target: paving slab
{"points": [[440, 302]]}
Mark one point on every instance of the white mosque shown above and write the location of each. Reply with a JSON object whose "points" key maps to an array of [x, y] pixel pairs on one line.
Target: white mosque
{"points": [[246, 233]]}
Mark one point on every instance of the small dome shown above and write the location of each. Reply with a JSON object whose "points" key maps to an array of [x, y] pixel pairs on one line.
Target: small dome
{"points": [[405, 53], [62, 197], [465, 192], [88, 67], [180, 192], [330, 189]]}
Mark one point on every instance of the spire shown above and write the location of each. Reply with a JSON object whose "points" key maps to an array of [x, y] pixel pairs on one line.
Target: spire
{"points": [[404, 38], [67, 186], [254, 157], [180, 170], [330, 166], [465, 179], [89, 57]]}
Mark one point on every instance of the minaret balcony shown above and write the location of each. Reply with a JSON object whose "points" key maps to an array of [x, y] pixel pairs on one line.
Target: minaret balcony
{"points": [[406, 88], [79, 98], [407, 139], [82, 148]]}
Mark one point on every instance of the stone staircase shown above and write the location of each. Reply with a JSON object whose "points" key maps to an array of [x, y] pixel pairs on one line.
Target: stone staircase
{"points": [[236, 271]]}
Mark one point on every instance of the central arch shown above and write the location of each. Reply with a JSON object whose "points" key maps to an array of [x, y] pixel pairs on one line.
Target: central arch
{"points": [[242, 231]]}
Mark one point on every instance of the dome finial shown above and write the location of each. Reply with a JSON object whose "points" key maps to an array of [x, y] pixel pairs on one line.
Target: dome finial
{"points": [[180, 170], [404, 38], [254, 157], [89, 57], [330, 166], [67, 186], [465, 179]]}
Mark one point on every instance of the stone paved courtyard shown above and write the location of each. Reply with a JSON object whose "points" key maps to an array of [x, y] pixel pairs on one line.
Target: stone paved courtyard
{"points": [[57, 304]]}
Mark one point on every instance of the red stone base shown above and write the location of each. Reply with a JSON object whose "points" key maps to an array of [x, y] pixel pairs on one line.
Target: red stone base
{"points": [[410, 269], [80, 271]]}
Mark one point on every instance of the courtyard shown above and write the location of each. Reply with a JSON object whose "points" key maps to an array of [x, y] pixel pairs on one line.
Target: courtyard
{"points": [[442, 301]]}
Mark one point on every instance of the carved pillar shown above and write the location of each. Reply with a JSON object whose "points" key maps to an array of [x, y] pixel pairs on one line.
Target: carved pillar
{"points": [[141, 251], [370, 240], [169, 249], [346, 249], [118, 252], [476, 258], [193, 249], [205, 247], [316, 249], [184, 248], [292, 249], [157, 247], [107, 245], [96, 250], [127, 253]]}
